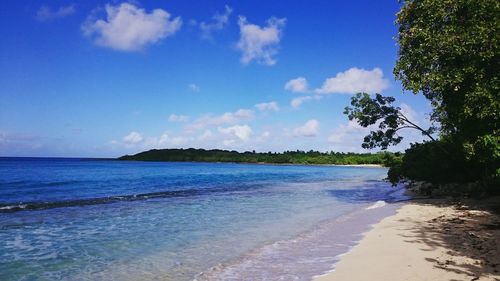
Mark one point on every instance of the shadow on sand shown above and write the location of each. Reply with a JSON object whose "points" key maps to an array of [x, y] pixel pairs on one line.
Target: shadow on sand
{"points": [[470, 234]]}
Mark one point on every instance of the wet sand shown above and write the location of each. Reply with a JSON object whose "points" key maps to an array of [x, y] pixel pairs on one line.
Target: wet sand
{"points": [[428, 240]]}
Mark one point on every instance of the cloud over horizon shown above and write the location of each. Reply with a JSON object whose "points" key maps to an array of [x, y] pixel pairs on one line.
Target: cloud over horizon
{"points": [[308, 129], [242, 132], [133, 138]]}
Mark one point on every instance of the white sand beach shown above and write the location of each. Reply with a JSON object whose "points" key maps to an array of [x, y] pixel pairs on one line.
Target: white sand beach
{"points": [[427, 240]]}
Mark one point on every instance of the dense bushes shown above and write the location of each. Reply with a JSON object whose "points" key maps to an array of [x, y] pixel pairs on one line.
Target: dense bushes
{"points": [[442, 162]]}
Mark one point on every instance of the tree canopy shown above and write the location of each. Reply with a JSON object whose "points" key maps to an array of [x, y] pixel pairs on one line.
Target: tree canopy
{"points": [[369, 111], [449, 51]]}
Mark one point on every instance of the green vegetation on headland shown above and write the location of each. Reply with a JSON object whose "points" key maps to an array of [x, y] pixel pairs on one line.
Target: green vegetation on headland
{"points": [[287, 157], [449, 52]]}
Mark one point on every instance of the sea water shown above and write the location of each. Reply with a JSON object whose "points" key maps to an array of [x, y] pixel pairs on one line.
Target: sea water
{"points": [[83, 219]]}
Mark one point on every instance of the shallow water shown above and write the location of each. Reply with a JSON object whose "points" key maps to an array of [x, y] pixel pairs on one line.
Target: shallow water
{"points": [[77, 219]]}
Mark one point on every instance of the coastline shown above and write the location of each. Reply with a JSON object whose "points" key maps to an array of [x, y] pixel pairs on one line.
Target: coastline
{"points": [[302, 256], [264, 163], [433, 239]]}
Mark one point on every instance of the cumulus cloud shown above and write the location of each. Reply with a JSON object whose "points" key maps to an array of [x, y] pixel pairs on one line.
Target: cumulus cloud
{"points": [[45, 13], [267, 106], [351, 81], [260, 44], [194, 88], [177, 118], [226, 118], [309, 129], [129, 28], [242, 132], [244, 113], [355, 80], [166, 139], [297, 85], [133, 138], [219, 21], [297, 102]]}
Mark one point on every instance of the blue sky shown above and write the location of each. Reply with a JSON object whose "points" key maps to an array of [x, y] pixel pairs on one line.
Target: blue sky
{"points": [[106, 78]]}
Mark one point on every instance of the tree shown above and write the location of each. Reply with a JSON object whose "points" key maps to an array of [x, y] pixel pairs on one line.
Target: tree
{"points": [[368, 111], [450, 52]]}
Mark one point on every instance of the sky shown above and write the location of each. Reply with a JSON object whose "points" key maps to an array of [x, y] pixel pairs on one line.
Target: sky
{"points": [[108, 78]]}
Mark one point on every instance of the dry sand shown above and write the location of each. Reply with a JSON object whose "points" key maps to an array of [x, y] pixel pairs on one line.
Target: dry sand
{"points": [[428, 240]]}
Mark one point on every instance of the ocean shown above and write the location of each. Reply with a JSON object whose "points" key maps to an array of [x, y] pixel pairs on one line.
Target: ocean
{"points": [[84, 219]]}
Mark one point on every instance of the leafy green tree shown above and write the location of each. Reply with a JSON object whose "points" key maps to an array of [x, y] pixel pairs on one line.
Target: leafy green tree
{"points": [[450, 52], [368, 111]]}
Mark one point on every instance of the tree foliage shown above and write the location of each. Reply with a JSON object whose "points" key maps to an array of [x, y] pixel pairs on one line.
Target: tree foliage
{"points": [[449, 51], [369, 111]]}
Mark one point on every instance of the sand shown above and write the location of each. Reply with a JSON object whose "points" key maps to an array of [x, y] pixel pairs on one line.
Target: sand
{"points": [[428, 240]]}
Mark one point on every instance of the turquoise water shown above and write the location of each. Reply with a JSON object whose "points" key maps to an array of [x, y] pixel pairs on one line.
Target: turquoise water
{"points": [[78, 219]]}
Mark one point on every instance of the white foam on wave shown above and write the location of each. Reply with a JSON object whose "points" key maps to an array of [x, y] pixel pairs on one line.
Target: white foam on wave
{"points": [[308, 255], [377, 204], [22, 206]]}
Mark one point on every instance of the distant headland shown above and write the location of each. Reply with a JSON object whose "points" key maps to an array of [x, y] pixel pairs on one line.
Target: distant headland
{"points": [[286, 157]]}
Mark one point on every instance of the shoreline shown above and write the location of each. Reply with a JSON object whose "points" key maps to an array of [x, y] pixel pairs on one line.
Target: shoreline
{"points": [[263, 163], [302, 256], [432, 239]]}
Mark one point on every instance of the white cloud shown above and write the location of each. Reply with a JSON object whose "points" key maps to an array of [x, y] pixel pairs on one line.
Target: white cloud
{"points": [[206, 135], [178, 118], [166, 139], [297, 85], [242, 132], [133, 138], [260, 43], [244, 113], [266, 134], [264, 106], [297, 102], [129, 28], [194, 87], [218, 23], [309, 129], [226, 118], [228, 142], [408, 111], [355, 80], [45, 13]]}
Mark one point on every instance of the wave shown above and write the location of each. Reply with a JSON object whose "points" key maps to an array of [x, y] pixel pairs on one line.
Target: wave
{"points": [[303, 256], [36, 184], [377, 204], [33, 206]]}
